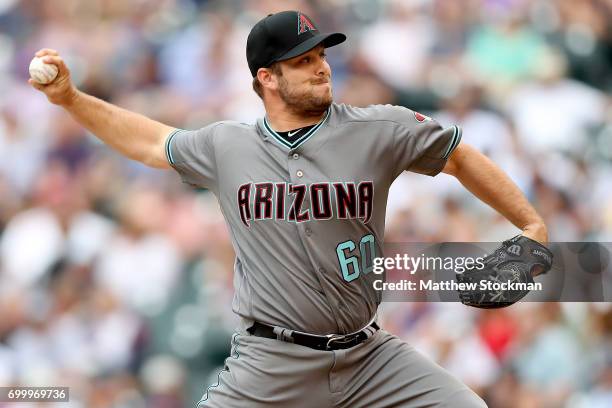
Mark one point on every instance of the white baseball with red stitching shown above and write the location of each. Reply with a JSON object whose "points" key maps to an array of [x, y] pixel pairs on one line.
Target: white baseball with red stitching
{"points": [[41, 72]]}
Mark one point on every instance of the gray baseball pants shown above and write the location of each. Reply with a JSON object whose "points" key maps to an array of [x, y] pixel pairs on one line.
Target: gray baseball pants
{"points": [[383, 371]]}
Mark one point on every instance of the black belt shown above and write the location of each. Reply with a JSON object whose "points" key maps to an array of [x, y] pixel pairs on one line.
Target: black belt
{"points": [[327, 342]]}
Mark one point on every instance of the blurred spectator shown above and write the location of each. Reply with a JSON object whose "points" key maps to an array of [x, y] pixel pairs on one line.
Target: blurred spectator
{"points": [[549, 358], [504, 50], [553, 112], [396, 46], [138, 253]]}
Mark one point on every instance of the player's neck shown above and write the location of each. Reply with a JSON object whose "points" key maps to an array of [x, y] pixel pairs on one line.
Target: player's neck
{"points": [[283, 120]]}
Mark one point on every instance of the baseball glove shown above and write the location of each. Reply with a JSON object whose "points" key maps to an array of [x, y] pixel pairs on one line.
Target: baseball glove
{"points": [[517, 260]]}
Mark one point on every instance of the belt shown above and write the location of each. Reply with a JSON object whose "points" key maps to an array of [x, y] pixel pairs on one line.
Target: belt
{"points": [[327, 342]]}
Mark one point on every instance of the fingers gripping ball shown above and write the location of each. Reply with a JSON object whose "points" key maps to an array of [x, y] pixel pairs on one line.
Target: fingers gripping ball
{"points": [[42, 72], [506, 273]]}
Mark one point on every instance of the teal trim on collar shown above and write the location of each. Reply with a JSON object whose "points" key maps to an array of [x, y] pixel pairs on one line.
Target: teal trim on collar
{"points": [[298, 142]]}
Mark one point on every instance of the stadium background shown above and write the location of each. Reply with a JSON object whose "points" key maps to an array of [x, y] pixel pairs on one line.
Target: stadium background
{"points": [[115, 279]]}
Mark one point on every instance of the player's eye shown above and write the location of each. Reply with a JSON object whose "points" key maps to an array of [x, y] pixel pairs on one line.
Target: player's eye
{"points": [[306, 60], [323, 55]]}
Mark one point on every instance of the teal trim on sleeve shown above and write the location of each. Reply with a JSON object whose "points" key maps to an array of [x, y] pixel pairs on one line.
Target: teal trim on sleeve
{"points": [[168, 146], [454, 143]]}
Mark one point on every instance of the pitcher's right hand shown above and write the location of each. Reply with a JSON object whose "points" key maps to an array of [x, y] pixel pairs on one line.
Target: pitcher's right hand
{"points": [[61, 91]]}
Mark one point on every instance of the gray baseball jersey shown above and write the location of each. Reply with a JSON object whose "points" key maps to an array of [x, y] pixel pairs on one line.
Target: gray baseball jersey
{"points": [[306, 217]]}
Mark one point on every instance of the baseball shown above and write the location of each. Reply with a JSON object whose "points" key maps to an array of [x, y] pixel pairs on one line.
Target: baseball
{"points": [[41, 72]]}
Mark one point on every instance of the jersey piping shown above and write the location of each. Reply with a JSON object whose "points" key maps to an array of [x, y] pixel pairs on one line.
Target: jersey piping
{"points": [[298, 142], [454, 143], [168, 144], [225, 369]]}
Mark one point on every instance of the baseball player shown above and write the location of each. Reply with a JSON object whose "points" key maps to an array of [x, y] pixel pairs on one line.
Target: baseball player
{"points": [[304, 192]]}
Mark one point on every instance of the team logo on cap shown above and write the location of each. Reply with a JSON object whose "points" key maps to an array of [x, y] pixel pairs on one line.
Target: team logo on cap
{"points": [[304, 24]]}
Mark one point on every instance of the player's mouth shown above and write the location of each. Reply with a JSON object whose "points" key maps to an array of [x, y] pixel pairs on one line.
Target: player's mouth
{"points": [[321, 82]]}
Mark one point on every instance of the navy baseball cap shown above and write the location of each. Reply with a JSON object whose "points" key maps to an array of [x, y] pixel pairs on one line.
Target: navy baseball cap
{"points": [[284, 35]]}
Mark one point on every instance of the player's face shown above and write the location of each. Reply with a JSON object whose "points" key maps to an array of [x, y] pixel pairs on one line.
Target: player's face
{"points": [[305, 82]]}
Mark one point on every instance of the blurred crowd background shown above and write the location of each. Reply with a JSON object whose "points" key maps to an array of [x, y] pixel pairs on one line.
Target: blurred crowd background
{"points": [[115, 279]]}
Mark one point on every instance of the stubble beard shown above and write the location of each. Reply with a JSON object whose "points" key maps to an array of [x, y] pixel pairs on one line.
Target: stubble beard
{"points": [[304, 102]]}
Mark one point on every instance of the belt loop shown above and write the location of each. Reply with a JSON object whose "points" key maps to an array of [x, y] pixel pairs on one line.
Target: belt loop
{"points": [[279, 332], [283, 334]]}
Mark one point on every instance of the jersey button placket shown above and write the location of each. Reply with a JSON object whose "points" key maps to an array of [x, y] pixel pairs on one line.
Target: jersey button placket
{"points": [[294, 164]]}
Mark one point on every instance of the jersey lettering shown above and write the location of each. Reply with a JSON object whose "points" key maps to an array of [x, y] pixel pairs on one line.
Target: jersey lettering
{"points": [[302, 202], [346, 200], [244, 193], [321, 201], [263, 200], [280, 201], [295, 213], [366, 196]]}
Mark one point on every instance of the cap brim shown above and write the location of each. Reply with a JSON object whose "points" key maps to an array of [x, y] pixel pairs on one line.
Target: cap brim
{"points": [[328, 40]]}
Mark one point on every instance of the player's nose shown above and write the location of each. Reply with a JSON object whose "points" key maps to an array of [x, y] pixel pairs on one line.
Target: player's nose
{"points": [[323, 69]]}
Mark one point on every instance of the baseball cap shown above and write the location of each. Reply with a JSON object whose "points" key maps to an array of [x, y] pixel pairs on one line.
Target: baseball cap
{"points": [[284, 35]]}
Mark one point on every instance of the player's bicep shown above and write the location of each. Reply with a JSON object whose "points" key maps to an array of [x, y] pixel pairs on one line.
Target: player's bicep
{"points": [[426, 147], [191, 154]]}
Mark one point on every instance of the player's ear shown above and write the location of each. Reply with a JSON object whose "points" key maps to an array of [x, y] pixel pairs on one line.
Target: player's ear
{"points": [[267, 78]]}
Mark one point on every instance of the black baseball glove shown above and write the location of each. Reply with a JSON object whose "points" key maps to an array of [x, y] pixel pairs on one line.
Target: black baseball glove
{"points": [[517, 260]]}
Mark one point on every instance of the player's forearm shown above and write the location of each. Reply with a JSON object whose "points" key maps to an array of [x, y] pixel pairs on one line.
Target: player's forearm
{"points": [[131, 134], [489, 183]]}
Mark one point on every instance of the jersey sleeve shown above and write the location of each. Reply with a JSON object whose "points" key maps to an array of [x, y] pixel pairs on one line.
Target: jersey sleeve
{"points": [[422, 145], [191, 153]]}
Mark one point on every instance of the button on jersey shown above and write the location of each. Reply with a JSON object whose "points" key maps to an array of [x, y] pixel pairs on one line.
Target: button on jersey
{"points": [[307, 218]]}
